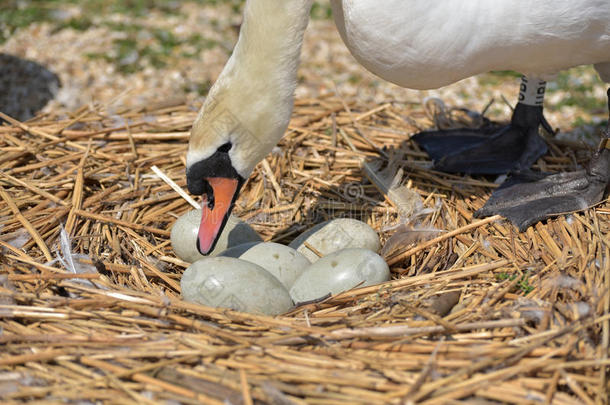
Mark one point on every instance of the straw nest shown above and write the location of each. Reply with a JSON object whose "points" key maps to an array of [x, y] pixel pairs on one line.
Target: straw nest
{"points": [[476, 312]]}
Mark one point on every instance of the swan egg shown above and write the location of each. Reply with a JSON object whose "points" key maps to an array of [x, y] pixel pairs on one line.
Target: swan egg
{"points": [[340, 271], [228, 282], [334, 235], [283, 262]]}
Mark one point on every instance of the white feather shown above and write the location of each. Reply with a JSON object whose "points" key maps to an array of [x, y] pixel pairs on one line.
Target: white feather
{"points": [[73, 262]]}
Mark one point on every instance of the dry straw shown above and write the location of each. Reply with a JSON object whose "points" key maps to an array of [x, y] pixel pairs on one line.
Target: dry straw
{"points": [[480, 312]]}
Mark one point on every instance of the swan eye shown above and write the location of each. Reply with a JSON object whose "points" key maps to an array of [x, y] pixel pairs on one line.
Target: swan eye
{"points": [[225, 148]]}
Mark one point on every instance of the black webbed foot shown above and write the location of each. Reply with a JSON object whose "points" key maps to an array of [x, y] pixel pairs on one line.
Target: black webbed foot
{"points": [[526, 198], [499, 150], [529, 197]]}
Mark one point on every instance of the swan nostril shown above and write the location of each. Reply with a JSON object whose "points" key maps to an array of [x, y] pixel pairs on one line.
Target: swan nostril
{"points": [[209, 194]]}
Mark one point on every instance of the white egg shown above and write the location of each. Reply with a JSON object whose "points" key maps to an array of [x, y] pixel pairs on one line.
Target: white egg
{"points": [[338, 272], [334, 235], [285, 263], [233, 283], [184, 236]]}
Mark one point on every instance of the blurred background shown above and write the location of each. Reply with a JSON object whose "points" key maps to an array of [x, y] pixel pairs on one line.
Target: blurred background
{"points": [[131, 53]]}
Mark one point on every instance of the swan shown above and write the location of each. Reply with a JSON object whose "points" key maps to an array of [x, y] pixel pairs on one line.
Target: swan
{"points": [[413, 43]]}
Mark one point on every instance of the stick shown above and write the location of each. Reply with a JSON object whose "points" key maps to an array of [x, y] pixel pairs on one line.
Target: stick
{"points": [[175, 187]]}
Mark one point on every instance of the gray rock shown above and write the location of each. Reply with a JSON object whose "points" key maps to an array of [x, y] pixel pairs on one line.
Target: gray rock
{"points": [[25, 87]]}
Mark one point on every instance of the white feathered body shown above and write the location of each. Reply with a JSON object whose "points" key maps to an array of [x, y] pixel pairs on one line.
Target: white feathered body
{"points": [[419, 44], [423, 44]]}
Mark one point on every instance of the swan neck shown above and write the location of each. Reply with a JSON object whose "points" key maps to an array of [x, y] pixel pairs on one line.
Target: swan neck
{"points": [[271, 36], [251, 103]]}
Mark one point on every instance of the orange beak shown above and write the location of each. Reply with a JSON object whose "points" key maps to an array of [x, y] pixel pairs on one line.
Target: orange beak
{"points": [[214, 219]]}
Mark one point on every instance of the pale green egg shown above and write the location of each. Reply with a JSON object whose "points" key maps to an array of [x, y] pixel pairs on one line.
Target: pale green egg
{"points": [[334, 235], [283, 262], [228, 282], [340, 271]]}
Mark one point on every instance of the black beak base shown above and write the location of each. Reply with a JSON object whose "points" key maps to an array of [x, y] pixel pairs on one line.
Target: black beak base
{"points": [[217, 165]]}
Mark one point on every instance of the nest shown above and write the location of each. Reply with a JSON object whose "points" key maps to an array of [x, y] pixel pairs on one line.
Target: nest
{"points": [[90, 305]]}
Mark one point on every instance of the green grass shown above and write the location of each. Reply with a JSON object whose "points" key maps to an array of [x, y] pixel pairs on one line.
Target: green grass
{"points": [[579, 88], [131, 54], [15, 14], [13, 17], [523, 284], [321, 11]]}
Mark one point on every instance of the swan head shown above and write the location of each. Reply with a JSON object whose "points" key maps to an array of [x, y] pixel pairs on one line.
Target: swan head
{"points": [[240, 122], [246, 111]]}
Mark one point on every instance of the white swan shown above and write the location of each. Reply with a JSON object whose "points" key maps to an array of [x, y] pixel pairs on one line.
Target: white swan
{"points": [[418, 44]]}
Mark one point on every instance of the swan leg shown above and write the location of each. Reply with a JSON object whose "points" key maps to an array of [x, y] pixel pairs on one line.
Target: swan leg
{"points": [[495, 150], [528, 197]]}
